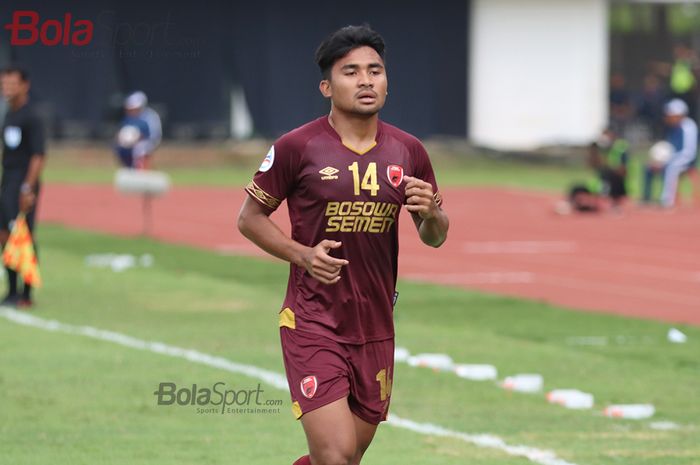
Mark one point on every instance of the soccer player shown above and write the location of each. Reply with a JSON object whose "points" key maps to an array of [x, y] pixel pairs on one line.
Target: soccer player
{"points": [[345, 177], [22, 164]]}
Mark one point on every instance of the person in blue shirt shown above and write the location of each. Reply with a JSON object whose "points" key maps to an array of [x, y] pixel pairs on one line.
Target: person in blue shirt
{"points": [[682, 134], [139, 134]]}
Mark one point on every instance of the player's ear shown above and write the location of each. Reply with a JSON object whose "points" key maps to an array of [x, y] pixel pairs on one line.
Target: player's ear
{"points": [[325, 87]]}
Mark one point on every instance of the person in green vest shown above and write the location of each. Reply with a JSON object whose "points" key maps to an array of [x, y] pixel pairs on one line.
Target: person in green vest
{"points": [[609, 157], [682, 79]]}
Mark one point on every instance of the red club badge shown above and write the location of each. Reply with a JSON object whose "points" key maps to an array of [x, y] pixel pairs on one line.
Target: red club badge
{"points": [[395, 174], [309, 386]]}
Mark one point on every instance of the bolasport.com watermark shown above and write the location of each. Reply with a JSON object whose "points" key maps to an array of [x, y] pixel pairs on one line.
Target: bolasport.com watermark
{"points": [[106, 36], [218, 398]]}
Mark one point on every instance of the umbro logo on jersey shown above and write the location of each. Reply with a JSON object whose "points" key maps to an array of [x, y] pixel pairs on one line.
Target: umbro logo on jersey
{"points": [[328, 173]]}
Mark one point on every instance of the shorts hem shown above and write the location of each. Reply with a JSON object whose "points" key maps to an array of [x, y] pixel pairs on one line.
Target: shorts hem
{"points": [[329, 401], [363, 417]]}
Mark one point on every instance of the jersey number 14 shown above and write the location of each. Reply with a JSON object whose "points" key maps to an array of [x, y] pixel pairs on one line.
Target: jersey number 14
{"points": [[369, 180]]}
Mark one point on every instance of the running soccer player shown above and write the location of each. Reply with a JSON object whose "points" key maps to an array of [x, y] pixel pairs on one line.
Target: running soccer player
{"points": [[345, 177], [22, 164]]}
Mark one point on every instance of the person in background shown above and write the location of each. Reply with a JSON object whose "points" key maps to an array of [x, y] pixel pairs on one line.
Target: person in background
{"points": [[23, 157], [610, 157], [140, 133], [650, 105], [683, 81], [683, 136], [620, 102]]}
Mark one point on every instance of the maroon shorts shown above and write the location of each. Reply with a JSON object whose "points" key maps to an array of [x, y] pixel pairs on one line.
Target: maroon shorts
{"points": [[320, 371]]}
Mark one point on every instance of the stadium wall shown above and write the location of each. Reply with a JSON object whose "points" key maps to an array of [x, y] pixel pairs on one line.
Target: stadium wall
{"points": [[189, 57]]}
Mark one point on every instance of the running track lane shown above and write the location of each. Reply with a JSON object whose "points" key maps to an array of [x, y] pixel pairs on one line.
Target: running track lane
{"points": [[644, 264]]}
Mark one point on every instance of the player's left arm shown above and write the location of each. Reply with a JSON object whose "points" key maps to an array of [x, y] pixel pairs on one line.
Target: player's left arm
{"points": [[431, 221]]}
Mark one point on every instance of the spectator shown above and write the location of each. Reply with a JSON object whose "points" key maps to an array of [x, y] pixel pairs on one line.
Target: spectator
{"points": [[620, 102], [140, 133], [683, 81], [610, 157], [682, 134], [650, 105]]}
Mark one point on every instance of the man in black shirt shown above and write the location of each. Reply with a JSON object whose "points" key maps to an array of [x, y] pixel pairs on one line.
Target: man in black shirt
{"points": [[22, 163]]}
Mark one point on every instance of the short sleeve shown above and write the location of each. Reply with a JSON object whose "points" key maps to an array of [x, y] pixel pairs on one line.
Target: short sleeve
{"points": [[424, 170], [35, 128], [276, 176]]}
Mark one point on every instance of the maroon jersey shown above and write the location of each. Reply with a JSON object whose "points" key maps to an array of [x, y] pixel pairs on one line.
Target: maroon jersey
{"points": [[336, 193]]}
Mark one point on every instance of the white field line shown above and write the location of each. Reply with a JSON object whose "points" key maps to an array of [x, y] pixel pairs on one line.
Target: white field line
{"points": [[483, 277], [519, 247], [539, 456]]}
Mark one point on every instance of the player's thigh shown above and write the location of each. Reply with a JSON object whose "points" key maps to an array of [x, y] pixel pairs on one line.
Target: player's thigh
{"points": [[364, 433], [330, 433], [371, 381]]}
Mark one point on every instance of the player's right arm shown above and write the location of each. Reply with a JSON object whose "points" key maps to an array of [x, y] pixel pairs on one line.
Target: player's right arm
{"points": [[255, 224]]}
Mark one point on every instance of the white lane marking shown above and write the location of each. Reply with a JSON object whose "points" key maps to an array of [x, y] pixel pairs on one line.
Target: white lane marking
{"points": [[482, 277], [539, 456], [519, 247]]}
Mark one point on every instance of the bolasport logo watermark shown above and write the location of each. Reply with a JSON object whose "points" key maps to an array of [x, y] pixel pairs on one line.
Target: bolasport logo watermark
{"points": [[217, 399], [28, 28], [107, 36]]}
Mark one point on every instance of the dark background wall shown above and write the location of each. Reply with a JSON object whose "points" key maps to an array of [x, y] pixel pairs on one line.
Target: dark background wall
{"points": [[187, 56]]}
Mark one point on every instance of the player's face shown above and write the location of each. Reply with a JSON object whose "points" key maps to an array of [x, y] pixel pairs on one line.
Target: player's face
{"points": [[673, 120], [13, 86], [358, 82]]}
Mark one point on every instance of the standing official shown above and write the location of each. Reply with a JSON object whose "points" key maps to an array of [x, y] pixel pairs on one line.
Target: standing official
{"points": [[22, 163]]}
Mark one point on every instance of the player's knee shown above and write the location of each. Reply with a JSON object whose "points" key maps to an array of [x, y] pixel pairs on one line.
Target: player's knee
{"points": [[334, 455]]}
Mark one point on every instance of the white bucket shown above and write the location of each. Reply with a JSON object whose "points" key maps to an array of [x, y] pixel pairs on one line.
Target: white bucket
{"points": [[441, 362], [571, 398], [527, 382], [476, 372], [630, 411]]}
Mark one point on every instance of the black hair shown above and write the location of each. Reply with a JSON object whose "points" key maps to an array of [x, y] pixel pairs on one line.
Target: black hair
{"points": [[15, 68], [343, 41]]}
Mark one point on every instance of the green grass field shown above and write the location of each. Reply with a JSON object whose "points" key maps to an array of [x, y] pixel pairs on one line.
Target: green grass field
{"points": [[67, 399], [219, 166]]}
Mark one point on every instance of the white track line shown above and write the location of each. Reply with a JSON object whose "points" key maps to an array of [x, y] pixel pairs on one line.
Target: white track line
{"points": [[519, 247], [483, 277], [539, 456]]}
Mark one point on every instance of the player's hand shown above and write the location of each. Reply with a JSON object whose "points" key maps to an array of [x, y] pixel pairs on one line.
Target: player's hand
{"points": [[26, 201], [322, 266], [420, 198]]}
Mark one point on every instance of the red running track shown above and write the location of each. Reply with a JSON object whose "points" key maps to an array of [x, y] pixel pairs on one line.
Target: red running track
{"points": [[645, 263]]}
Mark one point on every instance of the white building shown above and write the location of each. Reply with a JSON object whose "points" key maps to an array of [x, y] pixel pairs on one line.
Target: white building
{"points": [[538, 72]]}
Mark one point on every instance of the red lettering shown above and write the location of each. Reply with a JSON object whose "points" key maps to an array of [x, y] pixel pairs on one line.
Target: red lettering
{"points": [[86, 32], [18, 26], [44, 34], [66, 28], [27, 28]]}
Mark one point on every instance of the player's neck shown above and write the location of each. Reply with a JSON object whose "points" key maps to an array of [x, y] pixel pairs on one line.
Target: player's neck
{"points": [[354, 131]]}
